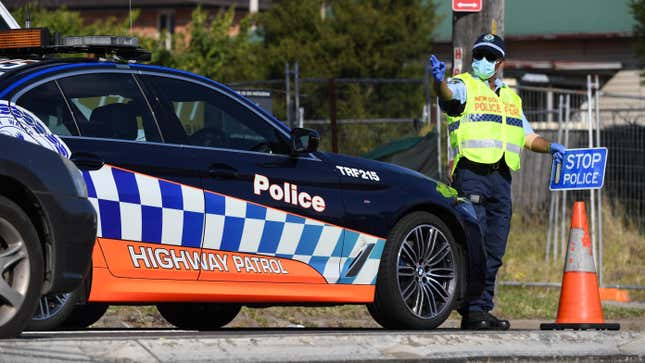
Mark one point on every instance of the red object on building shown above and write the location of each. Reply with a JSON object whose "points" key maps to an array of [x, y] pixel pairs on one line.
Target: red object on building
{"points": [[457, 56], [467, 5]]}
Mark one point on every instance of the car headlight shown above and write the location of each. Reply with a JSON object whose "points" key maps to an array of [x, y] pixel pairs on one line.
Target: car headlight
{"points": [[77, 177]]}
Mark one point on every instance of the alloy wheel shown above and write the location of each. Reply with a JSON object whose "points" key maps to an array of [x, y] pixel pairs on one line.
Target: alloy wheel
{"points": [[15, 271], [426, 271], [50, 305]]}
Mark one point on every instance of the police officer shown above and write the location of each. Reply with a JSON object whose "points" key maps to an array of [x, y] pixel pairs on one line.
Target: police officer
{"points": [[487, 132]]}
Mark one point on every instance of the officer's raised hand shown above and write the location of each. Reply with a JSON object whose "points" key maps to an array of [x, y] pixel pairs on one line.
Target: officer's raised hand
{"points": [[557, 151], [438, 68]]}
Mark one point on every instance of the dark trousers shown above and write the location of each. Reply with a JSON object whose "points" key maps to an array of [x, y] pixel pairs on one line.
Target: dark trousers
{"points": [[490, 192]]}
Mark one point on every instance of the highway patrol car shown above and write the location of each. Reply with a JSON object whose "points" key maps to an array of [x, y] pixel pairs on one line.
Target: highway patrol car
{"points": [[206, 202]]}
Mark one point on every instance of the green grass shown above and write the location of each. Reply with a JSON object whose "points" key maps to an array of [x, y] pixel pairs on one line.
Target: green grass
{"points": [[623, 253], [515, 302]]}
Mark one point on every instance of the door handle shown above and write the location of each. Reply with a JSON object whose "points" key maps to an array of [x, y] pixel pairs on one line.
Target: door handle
{"points": [[223, 171], [86, 161]]}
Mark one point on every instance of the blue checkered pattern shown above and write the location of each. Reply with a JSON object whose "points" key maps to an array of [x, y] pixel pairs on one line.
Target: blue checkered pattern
{"points": [[453, 126], [477, 117], [512, 121], [138, 207]]}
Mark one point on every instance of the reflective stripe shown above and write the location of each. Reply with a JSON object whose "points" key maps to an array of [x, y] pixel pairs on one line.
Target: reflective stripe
{"points": [[486, 143], [513, 148], [453, 126], [476, 117], [480, 144], [512, 121]]}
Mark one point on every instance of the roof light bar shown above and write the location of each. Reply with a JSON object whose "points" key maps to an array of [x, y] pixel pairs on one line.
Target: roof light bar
{"points": [[36, 42], [99, 40], [24, 38]]}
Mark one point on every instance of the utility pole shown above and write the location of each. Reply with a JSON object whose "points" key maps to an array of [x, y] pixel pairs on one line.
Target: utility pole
{"points": [[468, 25]]}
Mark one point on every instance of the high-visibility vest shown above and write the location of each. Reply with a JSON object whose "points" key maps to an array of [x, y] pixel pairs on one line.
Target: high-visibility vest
{"points": [[490, 126]]}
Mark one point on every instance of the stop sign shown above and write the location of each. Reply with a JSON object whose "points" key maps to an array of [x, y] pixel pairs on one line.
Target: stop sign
{"points": [[467, 5]]}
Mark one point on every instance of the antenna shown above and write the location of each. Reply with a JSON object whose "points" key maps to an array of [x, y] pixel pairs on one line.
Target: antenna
{"points": [[130, 14], [27, 15]]}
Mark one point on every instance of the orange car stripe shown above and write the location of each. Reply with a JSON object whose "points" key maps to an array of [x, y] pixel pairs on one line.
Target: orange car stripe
{"points": [[107, 288], [166, 262]]}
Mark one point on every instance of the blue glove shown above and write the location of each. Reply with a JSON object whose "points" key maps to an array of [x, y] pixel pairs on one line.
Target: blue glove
{"points": [[438, 68], [557, 151]]}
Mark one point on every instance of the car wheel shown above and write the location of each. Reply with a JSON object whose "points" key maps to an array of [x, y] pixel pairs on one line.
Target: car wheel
{"points": [[85, 315], [21, 267], [53, 310], [418, 275], [200, 316]]}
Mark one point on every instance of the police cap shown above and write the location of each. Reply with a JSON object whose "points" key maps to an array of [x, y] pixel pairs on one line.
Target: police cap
{"points": [[492, 43]]}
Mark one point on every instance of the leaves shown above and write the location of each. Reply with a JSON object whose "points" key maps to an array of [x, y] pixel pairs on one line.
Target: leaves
{"points": [[67, 22], [638, 10], [385, 38]]}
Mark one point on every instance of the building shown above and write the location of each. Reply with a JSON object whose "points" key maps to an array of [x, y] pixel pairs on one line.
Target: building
{"points": [[557, 43], [156, 17]]}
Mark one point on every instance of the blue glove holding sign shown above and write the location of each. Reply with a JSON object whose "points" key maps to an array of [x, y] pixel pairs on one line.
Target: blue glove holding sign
{"points": [[557, 151], [438, 68]]}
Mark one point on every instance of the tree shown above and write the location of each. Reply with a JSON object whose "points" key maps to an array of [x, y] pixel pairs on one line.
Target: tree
{"points": [[67, 22], [209, 48], [353, 39], [638, 9], [349, 38]]}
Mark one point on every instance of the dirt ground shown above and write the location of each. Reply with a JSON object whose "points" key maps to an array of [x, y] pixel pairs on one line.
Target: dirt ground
{"points": [[349, 316]]}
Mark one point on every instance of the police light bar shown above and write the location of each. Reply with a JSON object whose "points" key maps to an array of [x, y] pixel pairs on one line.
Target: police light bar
{"points": [[36, 42], [99, 40], [24, 38]]}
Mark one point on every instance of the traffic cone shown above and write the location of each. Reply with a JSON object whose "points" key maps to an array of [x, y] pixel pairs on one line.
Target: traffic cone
{"points": [[580, 306]]}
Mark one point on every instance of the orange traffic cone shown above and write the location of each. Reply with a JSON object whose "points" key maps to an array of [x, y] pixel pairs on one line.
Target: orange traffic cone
{"points": [[580, 306]]}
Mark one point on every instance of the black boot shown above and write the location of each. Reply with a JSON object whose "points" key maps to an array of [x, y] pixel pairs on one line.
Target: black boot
{"points": [[483, 320], [474, 320], [497, 324]]}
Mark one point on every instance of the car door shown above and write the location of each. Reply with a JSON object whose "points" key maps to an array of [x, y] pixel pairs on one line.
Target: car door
{"points": [[275, 217], [149, 201]]}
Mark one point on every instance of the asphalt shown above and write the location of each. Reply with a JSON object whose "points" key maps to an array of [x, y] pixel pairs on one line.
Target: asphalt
{"points": [[305, 345]]}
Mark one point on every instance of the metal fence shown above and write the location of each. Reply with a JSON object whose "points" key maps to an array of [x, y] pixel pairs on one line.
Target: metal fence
{"points": [[353, 116], [578, 119]]}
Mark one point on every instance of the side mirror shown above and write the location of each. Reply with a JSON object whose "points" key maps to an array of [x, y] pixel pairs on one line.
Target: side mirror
{"points": [[304, 141]]}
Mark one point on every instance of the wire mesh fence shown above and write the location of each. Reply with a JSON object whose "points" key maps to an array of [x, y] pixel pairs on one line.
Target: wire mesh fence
{"points": [[353, 116]]}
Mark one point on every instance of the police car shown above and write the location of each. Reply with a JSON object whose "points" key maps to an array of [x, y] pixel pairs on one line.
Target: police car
{"points": [[47, 225], [207, 203]]}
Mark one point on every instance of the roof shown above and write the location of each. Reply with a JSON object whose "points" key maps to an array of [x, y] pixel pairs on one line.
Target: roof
{"points": [[103, 4], [553, 18]]}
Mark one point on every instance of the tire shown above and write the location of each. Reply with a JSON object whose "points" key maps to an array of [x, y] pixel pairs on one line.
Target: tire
{"points": [[85, 315], [21, 268], [199, 316], [417, 288], [53, 310]]}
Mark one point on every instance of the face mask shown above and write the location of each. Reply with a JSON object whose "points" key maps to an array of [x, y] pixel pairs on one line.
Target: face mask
{"points": [[483, 68]]}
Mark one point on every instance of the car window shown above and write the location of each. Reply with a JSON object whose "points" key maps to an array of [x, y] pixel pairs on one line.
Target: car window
{"points": [[198, 115], [46, 102], [110, 105]]}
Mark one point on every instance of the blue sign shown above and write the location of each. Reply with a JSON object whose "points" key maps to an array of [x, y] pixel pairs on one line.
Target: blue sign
{"points": [[580, 169]]}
